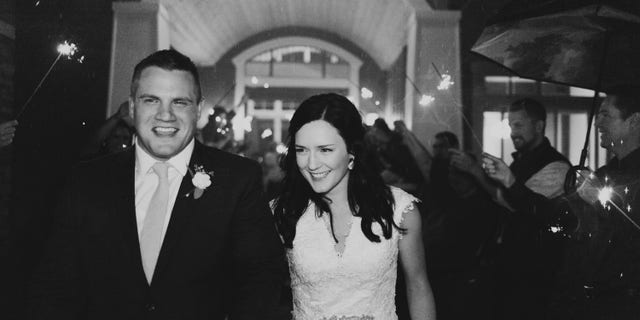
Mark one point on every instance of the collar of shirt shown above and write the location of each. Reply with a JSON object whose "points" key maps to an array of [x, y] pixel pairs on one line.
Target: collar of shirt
{"points": [[628, 163], [180, 161], [539, 148]]}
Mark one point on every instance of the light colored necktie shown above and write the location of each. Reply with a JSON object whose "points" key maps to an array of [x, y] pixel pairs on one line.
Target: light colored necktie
{"points": [[151, 234]]}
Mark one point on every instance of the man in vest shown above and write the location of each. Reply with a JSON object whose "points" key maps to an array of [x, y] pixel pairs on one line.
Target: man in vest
{"points": [[528, 252]]}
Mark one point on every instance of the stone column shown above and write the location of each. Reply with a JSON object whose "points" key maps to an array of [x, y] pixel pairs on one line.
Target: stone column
{"points": [[139, 29], [433, 50]]}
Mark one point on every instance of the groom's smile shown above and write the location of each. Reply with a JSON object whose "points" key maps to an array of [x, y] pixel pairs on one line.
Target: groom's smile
{"points": [[164, 131]]}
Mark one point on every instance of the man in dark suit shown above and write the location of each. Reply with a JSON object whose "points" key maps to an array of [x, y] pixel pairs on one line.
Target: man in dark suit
{"points": [[168, 229]]}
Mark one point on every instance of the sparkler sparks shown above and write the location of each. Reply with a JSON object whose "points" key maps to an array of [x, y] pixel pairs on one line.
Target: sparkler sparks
{"points": [[67, 49], [445, 83], [426, 100], [64, 49], [604, 195], [555, 229]]}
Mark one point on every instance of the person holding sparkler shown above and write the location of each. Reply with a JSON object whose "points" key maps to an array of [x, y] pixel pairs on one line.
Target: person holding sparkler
{"points": [[611, 263], [528, 252]]}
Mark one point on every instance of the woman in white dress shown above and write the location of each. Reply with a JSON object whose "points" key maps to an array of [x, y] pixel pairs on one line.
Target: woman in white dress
{"points": [[344, 229]]}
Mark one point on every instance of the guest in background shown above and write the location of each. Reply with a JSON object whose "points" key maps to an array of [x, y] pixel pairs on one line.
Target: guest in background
{"points": [[529, 253], [456, 234], [114, 135], [397, 165], [609, 260]]}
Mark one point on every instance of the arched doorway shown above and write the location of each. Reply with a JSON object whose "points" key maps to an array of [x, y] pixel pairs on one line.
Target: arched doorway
{"points": [[274, 76]]}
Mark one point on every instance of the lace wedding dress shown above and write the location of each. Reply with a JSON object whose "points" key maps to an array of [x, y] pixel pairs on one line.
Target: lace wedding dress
{"points": [[355, 284]]}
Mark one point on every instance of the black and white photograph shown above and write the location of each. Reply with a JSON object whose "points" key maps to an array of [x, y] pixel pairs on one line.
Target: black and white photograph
{"points": [[320, 159]]}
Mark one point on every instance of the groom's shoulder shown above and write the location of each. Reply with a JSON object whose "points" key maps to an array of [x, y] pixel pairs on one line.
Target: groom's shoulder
{"points": [[106, 163]]}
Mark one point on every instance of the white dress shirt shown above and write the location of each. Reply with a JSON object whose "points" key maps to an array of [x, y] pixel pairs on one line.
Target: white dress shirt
{"points": [[146, 181]]}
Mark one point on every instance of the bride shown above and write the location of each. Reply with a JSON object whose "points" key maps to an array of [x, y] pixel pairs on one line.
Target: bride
{"points": [[343, 227]]}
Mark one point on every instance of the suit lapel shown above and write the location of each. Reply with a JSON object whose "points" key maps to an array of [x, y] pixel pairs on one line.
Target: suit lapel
{"points": [[125, 210]]}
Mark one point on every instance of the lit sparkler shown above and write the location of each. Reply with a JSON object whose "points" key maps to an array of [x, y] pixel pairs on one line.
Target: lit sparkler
{"points": [[64, 49], [445, 83], [67, 49], [426, 100], [604, 196]]}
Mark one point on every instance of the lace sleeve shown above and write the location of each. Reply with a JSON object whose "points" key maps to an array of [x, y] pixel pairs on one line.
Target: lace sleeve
{"points": [[404, 202]]}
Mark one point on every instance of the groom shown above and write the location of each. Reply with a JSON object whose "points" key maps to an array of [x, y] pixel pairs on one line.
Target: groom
{"points": [[169, 229]]}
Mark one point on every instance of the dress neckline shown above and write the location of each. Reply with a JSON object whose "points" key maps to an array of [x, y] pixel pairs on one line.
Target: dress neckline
{"points": [[336, 246]]}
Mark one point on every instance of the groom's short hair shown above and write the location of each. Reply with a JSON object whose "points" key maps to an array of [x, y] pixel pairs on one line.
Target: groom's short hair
{"points": [[168, 60]]}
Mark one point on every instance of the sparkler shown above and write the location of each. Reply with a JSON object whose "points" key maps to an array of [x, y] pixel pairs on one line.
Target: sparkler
{"points": [[445, 83], [625, 214], [604, 196], [426, 100], [64, 49]]}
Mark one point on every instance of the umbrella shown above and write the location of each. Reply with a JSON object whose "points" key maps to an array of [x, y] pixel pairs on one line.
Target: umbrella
{"points": [[592, 46]]}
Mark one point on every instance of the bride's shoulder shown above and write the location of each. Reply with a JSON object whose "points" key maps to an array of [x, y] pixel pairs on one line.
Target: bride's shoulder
{"points": [[404, 203], [401, 196]]}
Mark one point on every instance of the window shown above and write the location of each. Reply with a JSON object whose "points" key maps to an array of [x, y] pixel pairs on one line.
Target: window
{"points": [[298, 62]]}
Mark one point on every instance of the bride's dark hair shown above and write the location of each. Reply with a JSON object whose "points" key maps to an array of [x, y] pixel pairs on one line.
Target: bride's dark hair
{"points": [[368, 196]]}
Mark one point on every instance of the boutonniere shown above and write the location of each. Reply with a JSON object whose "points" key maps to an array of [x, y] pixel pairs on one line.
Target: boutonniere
{"points": [[201, 180]]}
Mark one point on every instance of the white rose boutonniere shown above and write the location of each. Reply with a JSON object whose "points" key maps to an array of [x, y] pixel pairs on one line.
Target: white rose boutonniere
{"points": [[201, 180]]}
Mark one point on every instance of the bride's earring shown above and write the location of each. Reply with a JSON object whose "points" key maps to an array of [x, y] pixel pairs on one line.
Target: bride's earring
{"points": [[351, 163]]}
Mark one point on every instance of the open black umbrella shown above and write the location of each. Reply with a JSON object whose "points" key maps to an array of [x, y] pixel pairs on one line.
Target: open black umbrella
{"points": [[588, 44]]}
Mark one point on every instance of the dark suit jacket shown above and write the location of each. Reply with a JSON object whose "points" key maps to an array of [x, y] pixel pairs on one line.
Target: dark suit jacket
{"points": [[221, 254]]}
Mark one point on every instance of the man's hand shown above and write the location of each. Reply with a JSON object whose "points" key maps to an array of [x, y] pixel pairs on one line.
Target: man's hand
{"points": [[588, 186], [465, 163], [497, 170], [7, 132]]}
